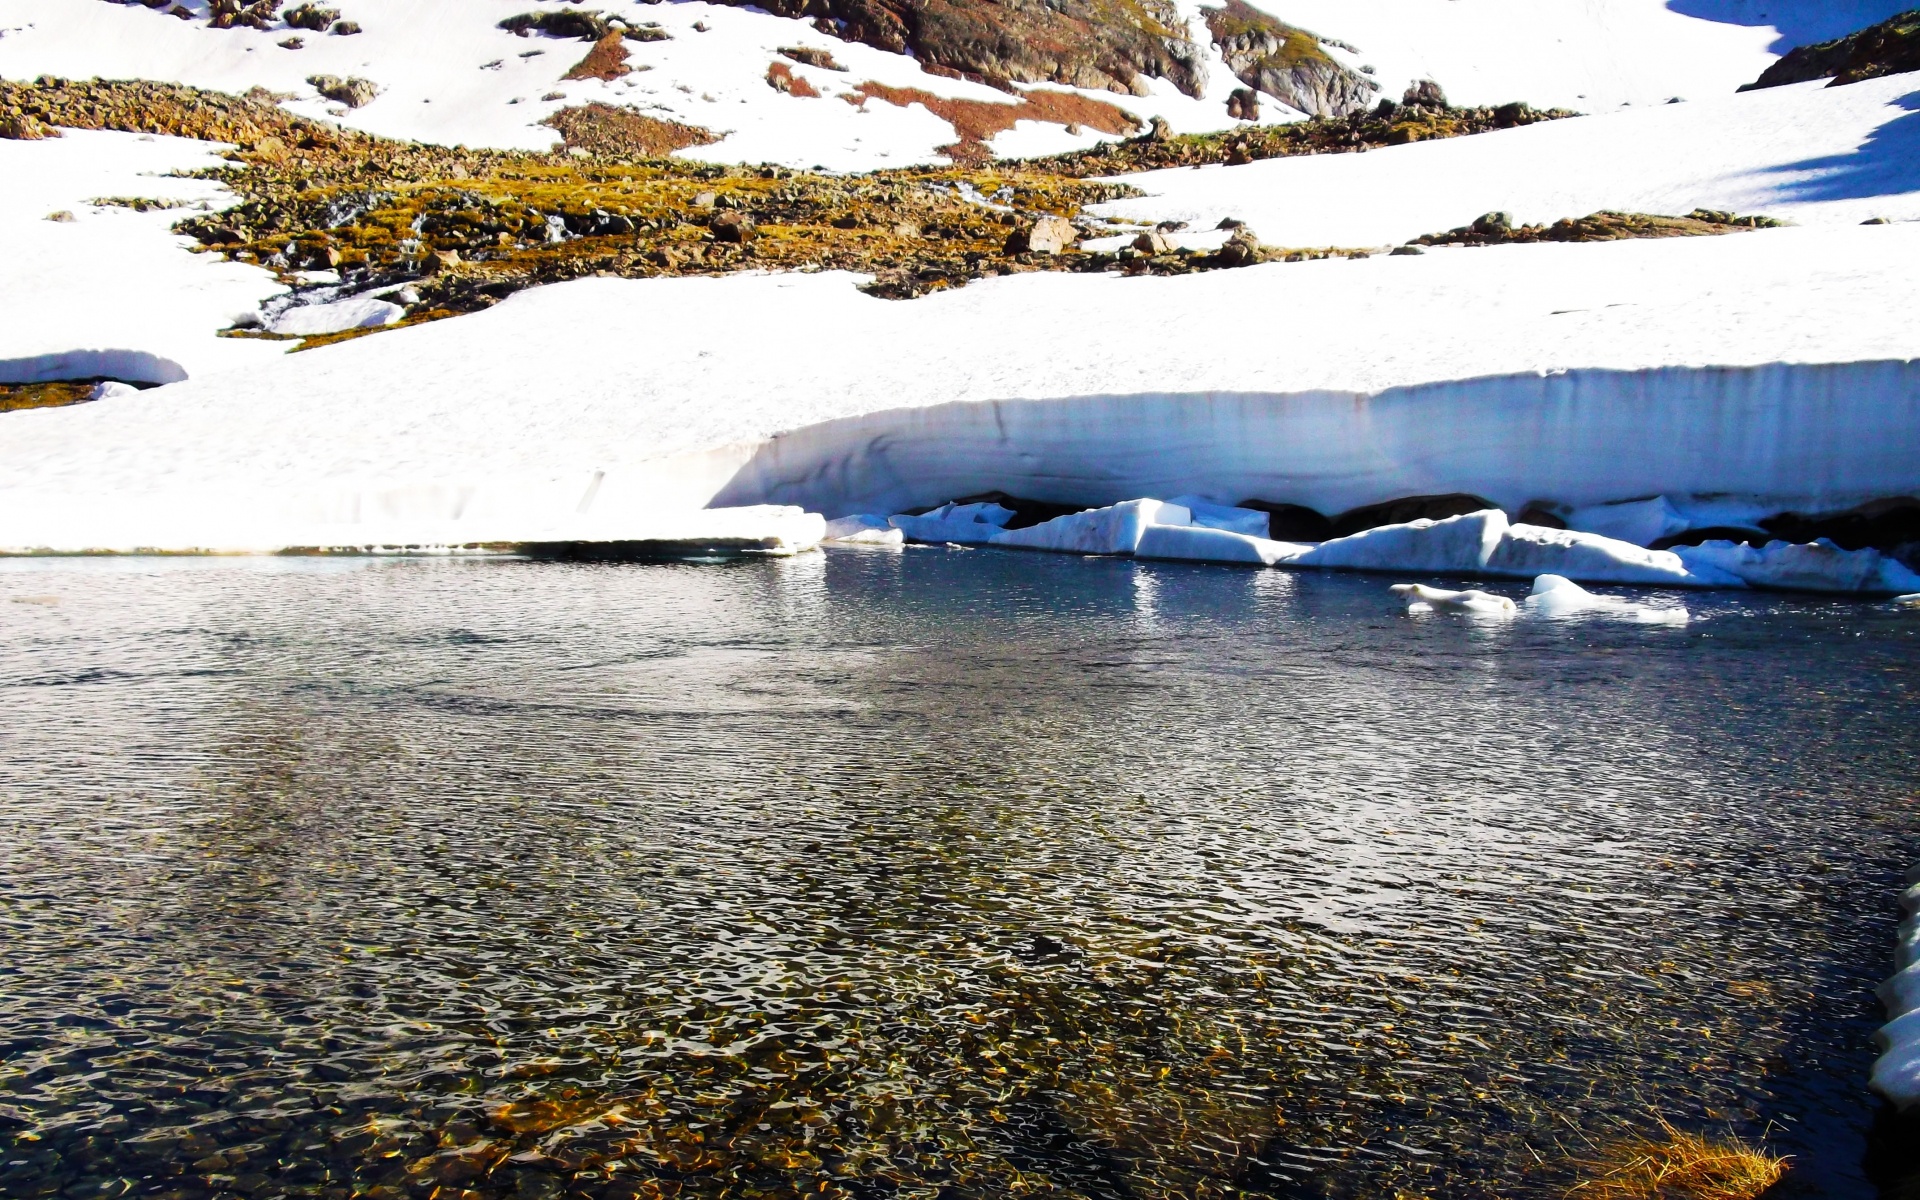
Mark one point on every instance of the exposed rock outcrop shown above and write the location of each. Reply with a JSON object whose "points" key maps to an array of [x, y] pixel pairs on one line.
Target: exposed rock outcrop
{"points": [[1889, 48], [1115, 45], [352, 91], [1498, 229], [1289, 64]]}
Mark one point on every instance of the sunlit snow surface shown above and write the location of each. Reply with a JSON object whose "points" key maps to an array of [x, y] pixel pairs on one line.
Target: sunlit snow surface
{"points": [[1773, 363]]}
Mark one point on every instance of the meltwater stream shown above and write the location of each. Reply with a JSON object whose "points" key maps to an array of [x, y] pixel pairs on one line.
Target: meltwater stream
{"points": [[936, 874]]}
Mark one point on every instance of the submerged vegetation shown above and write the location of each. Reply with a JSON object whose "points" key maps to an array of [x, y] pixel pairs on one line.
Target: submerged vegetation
{"points": [[1677, 1165]]}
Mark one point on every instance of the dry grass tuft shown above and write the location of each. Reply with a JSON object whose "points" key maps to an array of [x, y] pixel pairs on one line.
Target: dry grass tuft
{"points": [[1679, 1166]]}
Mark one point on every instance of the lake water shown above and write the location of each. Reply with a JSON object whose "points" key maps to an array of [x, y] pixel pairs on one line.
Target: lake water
{"points": [[928, 874]]}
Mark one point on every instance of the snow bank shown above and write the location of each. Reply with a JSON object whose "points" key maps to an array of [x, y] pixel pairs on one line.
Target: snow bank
{"points": [[1896, 1073], [337, 316], [1116, 529], [1558, 596], [1805, 153], [1200, 543], [1465, 375], [113, 291], [1817, 566], [1421, 598]]}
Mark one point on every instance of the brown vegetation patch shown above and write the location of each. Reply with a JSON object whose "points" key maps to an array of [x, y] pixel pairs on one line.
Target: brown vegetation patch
{"points": [[607, 60], [1495, 229], [975, 122], [15, 397], [780, 78], [608, 131], [1679, 1166]]}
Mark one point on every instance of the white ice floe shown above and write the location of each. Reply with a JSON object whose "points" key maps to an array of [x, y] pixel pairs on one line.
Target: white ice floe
{"points": [[337, 316], [864, 529], [1200, 543], [1558, 596], [1486, 543], [1910, 600], [1456, 545], [1896, 1073], [1213, 515], [1527, 550], [1115, 529], [1421, 598], [1818, 566], [966, 524]]}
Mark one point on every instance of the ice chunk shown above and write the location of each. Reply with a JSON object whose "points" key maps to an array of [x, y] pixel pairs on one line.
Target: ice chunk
{"points": [[967, 524], [1421, 598], [1115, 529], [1642, 522], [1896, 1073], [1906, 950], [864, 529], [1528, 550], [360, 312], [1197, 543], [1910, 600], [1558, 596], [1205, 512], [1807, 567], [1901, 994], [1456, 545]]}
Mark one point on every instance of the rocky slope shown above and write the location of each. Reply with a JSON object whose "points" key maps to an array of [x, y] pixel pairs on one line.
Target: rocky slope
{"points": [[1105, 44], [1888, 48], [1289, 64]]}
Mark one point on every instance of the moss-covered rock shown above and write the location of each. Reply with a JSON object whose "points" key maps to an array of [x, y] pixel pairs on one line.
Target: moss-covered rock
{"points": [[1888, 48], [1289, 64]]}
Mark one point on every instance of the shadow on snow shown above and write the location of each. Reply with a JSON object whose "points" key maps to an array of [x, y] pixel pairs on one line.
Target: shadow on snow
{"points": [[1798, 21]]}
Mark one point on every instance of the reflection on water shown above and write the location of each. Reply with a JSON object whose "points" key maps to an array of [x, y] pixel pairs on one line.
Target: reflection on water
{"points": [[941, 874]]}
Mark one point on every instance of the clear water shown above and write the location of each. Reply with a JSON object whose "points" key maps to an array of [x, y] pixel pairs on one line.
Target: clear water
{"points": [[937, 874]]}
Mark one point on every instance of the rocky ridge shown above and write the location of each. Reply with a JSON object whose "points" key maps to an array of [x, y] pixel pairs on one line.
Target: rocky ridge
{"points": [[1289, 64], [1888, 48], [1498, 229], [1112, 45]]}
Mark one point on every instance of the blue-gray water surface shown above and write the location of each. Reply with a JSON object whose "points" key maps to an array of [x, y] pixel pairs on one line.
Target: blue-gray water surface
{"points": [[929, 874]]}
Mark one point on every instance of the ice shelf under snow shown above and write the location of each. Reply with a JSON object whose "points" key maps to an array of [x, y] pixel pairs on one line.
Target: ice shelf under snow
{"points": [[1896, 1073]]}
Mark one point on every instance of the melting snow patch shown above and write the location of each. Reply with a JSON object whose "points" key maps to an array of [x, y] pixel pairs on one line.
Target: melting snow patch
{"points": [[1113, 530], [1421, 598], [1818, 566], [311, 320]]}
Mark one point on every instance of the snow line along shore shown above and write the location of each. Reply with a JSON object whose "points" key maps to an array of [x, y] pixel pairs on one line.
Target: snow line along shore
{"points": [[1778, 365]]}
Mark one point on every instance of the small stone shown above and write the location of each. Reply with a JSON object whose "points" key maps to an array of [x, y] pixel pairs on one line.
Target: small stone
{"points": [[731, 226], [1243, 105], [706, 200], [1400, 250], [1425, 93], [20, 127], [62, 217], [442, 260], [1160, 131], [292, 43], [1154, 242], [346, 28]]}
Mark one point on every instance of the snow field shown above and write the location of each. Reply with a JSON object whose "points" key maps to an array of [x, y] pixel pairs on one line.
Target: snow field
{"points": [[113, 291], [1772, 368], [1805, 153]]}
